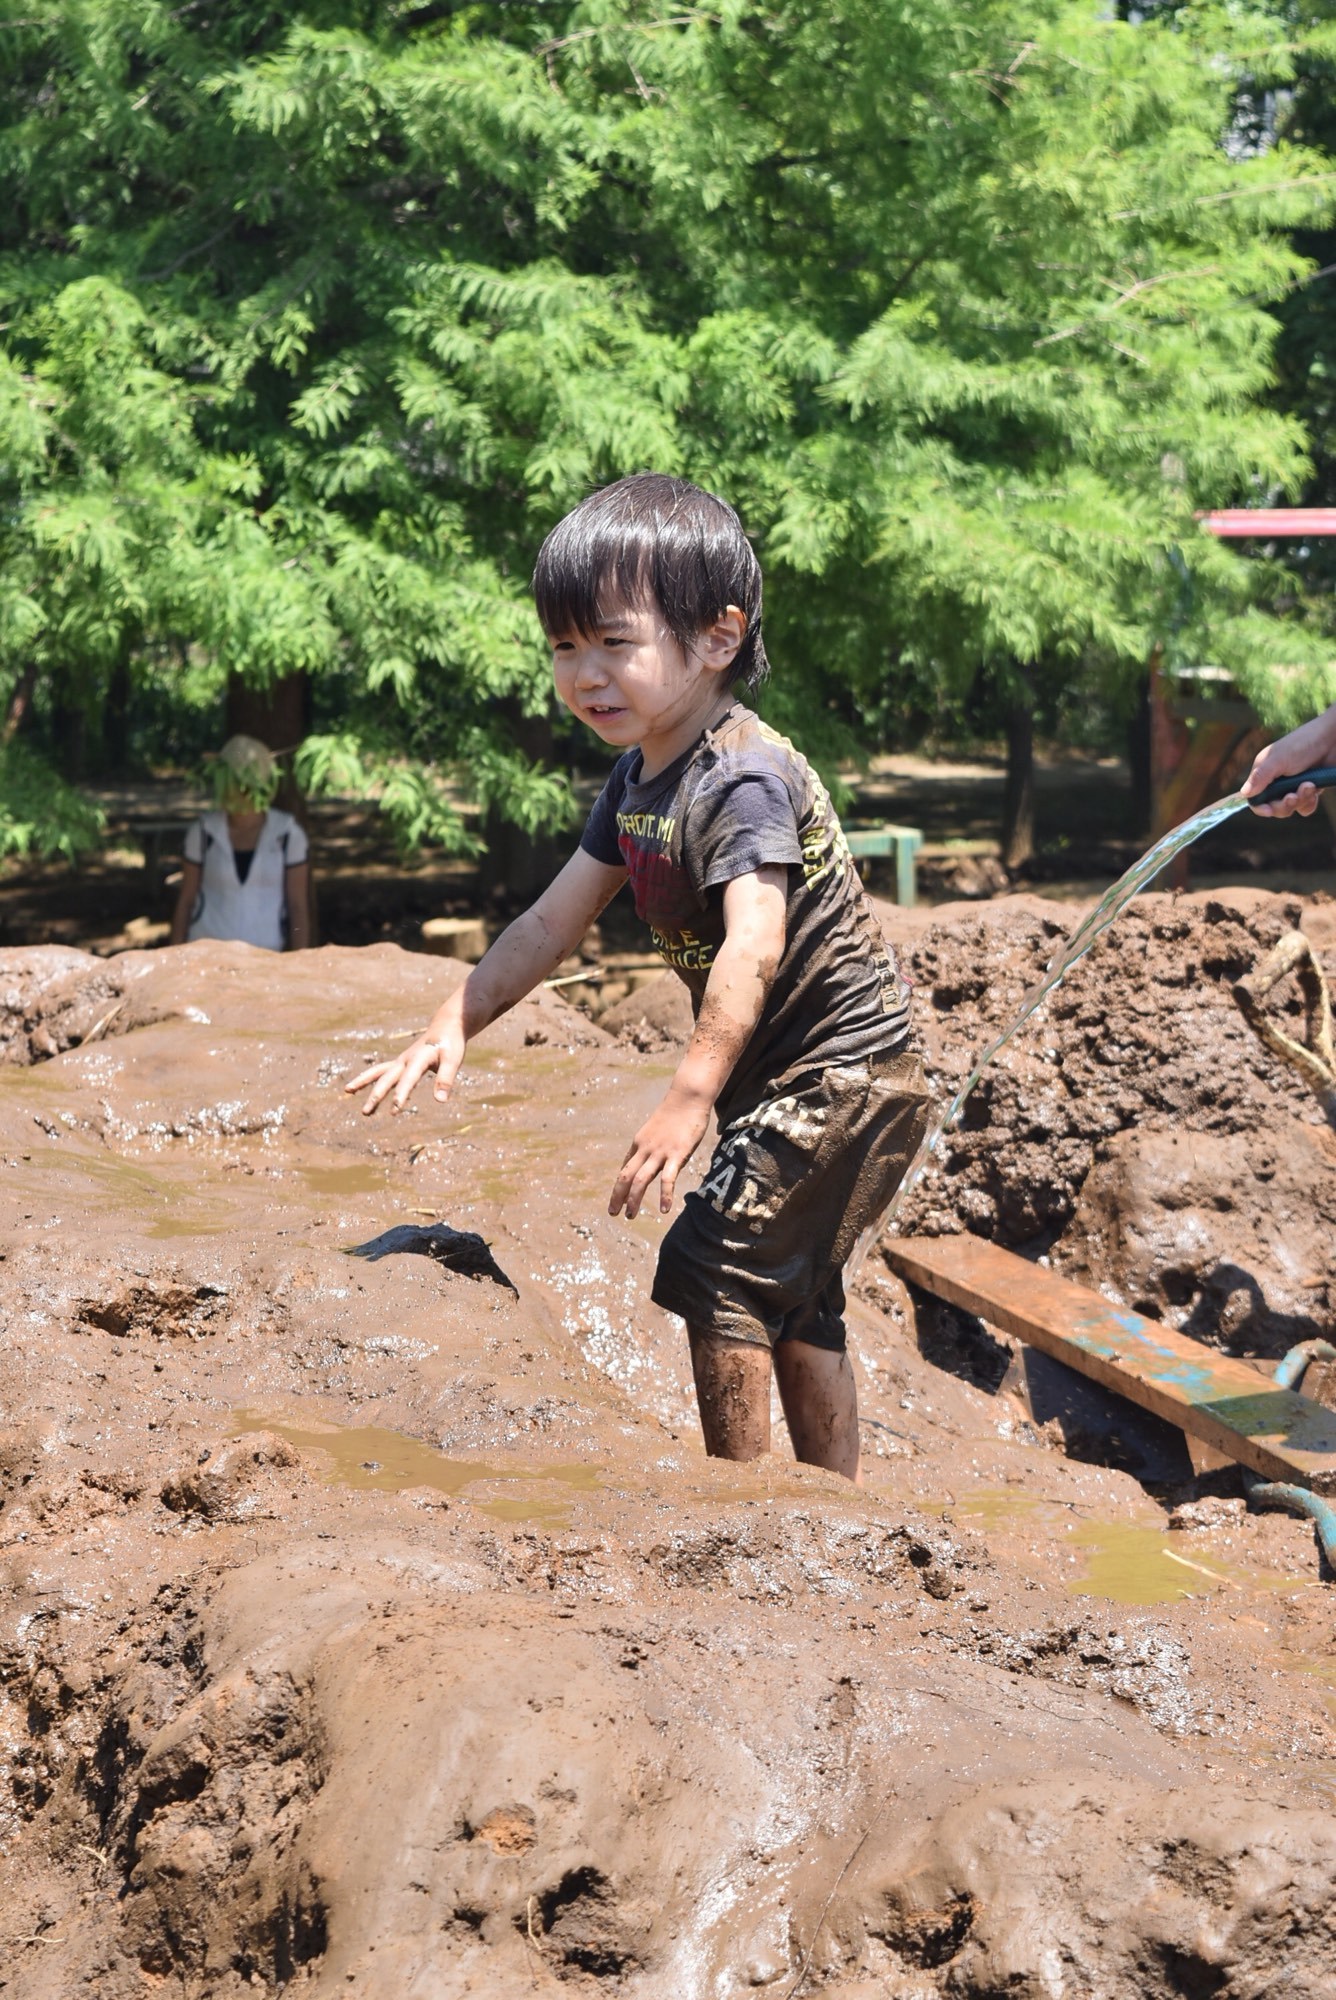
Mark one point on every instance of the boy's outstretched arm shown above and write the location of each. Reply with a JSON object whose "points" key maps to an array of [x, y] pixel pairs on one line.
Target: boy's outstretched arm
{"points": [[522, 957], [740, 979]]}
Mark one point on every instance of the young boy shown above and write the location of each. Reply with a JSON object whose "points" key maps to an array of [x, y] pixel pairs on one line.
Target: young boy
{"points": [[650, 594]]}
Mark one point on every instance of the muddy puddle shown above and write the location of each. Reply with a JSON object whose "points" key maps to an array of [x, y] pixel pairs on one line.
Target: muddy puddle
{"points": [[1126, 1562], [369, 1177], [168, 1205], [367, 1458], [295, 1703], [1133, 1565]]}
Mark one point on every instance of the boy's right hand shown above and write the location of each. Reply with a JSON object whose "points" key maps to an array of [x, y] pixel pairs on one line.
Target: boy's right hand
{"points": [[441, 1049]]}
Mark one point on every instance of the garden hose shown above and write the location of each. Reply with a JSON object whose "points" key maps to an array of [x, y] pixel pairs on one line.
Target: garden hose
{"points": [[1322, 775], [1289, 1374], [1297, 1500]]}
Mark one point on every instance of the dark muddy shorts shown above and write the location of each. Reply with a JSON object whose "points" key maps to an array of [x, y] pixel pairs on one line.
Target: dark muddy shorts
{"points": [[757, 1252]]}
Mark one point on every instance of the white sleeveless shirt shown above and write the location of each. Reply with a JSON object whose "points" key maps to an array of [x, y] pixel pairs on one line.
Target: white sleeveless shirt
{"points": [[253, 911]]}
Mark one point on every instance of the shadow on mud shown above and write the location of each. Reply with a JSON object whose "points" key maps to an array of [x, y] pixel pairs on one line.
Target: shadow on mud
{"points": [[1090, 1423]]}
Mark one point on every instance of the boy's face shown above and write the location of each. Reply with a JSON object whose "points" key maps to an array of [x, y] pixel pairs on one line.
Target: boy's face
{"points": [[633, 684]]}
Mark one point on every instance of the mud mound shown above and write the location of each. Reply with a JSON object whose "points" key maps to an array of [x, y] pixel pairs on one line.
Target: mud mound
{"points": [[37, 989], [1232, 1238], [1055, 1890], [1143, 1033], [365, 1627], [656, 1016]]}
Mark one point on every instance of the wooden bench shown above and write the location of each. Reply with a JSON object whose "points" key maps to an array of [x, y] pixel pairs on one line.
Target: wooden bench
{"points": [[874, 842], [1223, 1402], [163, 841]]}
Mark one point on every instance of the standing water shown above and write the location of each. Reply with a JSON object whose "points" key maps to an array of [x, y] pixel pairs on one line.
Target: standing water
{"points": [[1077, 945]]}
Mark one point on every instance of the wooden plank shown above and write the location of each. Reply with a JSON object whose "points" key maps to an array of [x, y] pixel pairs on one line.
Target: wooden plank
{"points": [[1214, 1397]]}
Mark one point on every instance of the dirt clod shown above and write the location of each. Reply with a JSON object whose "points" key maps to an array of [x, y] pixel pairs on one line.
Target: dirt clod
{"points": [[230, 1483]]}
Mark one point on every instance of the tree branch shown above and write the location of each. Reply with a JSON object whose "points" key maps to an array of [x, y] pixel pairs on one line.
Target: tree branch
{"points": [[1124, 298], [195, 250]]}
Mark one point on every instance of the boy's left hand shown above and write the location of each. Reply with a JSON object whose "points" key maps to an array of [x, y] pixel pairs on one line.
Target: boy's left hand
{"points": [[661, 1148]]}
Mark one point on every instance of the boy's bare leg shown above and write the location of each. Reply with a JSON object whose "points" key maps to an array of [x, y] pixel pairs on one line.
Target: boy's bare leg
{"points": [[732, 1394], [820, 1398]]}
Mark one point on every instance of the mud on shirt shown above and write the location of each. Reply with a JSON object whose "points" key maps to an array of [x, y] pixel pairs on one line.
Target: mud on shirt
{"points": [[743, 798]]}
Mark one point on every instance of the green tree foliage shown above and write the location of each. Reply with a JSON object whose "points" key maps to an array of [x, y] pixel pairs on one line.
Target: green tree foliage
{"points": [[1305, 111], [38, 813], [314, 321]]}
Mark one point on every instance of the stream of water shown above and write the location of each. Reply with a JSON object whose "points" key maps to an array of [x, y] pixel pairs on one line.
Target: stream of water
{"points": [[1115, 900]]}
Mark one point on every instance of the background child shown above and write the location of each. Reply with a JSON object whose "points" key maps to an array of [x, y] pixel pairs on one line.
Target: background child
{"points": [[650, 594], [246, 873]]}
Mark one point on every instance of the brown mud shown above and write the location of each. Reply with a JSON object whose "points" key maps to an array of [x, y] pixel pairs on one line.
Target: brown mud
{"points": [[366, 1629]]}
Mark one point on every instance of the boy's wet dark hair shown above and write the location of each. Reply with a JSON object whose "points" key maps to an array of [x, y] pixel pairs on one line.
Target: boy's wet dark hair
{"points": [[654, 536]]}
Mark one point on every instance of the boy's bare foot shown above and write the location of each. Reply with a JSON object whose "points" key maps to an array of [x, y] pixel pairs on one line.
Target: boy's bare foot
{"points": [[733, 1396], [820, 1398]]}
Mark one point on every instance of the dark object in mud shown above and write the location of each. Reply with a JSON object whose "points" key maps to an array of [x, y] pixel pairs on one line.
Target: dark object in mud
{"points": [[461, 1250]]}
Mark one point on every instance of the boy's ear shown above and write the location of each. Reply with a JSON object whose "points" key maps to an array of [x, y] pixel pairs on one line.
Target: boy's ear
{"points": [[717, 646]]}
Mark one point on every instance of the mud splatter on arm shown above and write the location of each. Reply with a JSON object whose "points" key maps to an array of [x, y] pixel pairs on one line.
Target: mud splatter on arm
{"points": [[740, 979], [743, 972]]}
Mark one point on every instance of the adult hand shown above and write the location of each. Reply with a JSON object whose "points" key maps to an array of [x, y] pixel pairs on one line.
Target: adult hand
{"points": [[1312, 744], [661, 1148], [440, 1049]]}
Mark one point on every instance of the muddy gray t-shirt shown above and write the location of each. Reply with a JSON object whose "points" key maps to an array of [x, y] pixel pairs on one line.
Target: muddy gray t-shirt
{"points": [[743, 798]]}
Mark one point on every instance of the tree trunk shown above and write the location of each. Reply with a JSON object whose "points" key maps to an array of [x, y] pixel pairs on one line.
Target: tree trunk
{"points": [[19, 703], [116, 720], [1139, 760], [71, 732], [280, 716], [1018, 796], [517, 866]]}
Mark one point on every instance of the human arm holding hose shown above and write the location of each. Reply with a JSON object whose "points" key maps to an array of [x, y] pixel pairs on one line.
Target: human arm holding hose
{"points": [[524, 955], [1307, 748]]}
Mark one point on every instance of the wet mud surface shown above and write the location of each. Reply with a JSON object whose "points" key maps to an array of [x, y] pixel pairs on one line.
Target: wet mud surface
{"points": [[368, 1628]]}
